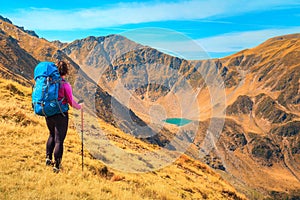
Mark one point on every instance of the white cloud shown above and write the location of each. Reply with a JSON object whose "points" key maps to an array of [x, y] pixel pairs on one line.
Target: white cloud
{"points": [[238, 41], [129, 13], [168, 41], [177, 44]]}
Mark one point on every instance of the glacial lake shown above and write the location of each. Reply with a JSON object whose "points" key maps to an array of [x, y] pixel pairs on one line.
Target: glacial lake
{"points": [[177, 121]]}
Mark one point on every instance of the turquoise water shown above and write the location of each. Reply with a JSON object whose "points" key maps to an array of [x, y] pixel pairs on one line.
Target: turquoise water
{"points": [[178, 121]]}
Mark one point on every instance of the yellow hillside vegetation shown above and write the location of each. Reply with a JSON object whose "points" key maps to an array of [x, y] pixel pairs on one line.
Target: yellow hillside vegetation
{"points": [[24, 175]]}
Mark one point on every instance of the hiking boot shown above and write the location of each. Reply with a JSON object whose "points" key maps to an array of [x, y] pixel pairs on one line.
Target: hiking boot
{"points": [[57, 166], [48, 162], [55, 169]]}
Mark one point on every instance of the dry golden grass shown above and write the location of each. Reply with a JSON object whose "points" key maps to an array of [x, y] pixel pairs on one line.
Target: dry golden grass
{"points": [[23, 174]]}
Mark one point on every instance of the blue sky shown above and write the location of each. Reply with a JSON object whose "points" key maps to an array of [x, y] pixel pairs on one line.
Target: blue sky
{"points": [[192, 29]]}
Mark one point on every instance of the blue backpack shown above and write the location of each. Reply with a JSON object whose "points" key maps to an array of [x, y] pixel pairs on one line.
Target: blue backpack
{"points": [[45, 91]]}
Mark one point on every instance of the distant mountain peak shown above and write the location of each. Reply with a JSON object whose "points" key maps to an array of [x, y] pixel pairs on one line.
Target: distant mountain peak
{"points": [[5, 19], [284, 37], [30, 32]]}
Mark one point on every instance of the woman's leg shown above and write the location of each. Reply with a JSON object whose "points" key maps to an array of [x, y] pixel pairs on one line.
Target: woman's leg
{"points": [[61, 128], [51, 139]]}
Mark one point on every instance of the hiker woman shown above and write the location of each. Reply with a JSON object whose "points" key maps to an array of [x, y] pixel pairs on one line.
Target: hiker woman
{"points": [[58, 124]]}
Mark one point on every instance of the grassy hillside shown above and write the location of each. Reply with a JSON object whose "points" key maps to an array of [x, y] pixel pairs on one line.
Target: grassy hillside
{"points": [[23, 174]]}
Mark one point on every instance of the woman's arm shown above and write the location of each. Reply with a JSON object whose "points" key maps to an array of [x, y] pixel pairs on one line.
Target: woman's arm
{"points": [[69, 96]]}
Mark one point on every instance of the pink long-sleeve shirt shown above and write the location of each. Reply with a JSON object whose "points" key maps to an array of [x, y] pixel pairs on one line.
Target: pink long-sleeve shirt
{"points": [[65, 91]]}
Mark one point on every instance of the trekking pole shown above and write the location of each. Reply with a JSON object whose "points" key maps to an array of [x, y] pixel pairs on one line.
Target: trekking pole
{"points": [[81, 101], [82, 138]]}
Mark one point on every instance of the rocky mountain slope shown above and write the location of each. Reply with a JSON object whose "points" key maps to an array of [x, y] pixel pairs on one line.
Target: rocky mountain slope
{"points": [[259, 141], [263, 108], [93, 53], [11, 53]]}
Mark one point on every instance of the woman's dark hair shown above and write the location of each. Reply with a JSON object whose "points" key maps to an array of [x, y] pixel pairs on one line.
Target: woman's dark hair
{"points": [[62, 68]]}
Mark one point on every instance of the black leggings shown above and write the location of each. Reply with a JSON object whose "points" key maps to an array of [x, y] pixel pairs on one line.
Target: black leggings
{"points": [[58, 127]]}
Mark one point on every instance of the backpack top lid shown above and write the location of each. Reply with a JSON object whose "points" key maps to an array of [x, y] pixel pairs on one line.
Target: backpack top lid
{"points": [[45, 69]]}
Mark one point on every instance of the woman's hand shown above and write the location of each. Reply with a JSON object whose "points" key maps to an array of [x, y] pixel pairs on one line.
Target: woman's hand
{"points": [[80, 102], [81, 105]]}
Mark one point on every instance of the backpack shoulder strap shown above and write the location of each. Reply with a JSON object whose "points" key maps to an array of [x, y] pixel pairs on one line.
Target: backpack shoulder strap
{"points": [[62, 82]]}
